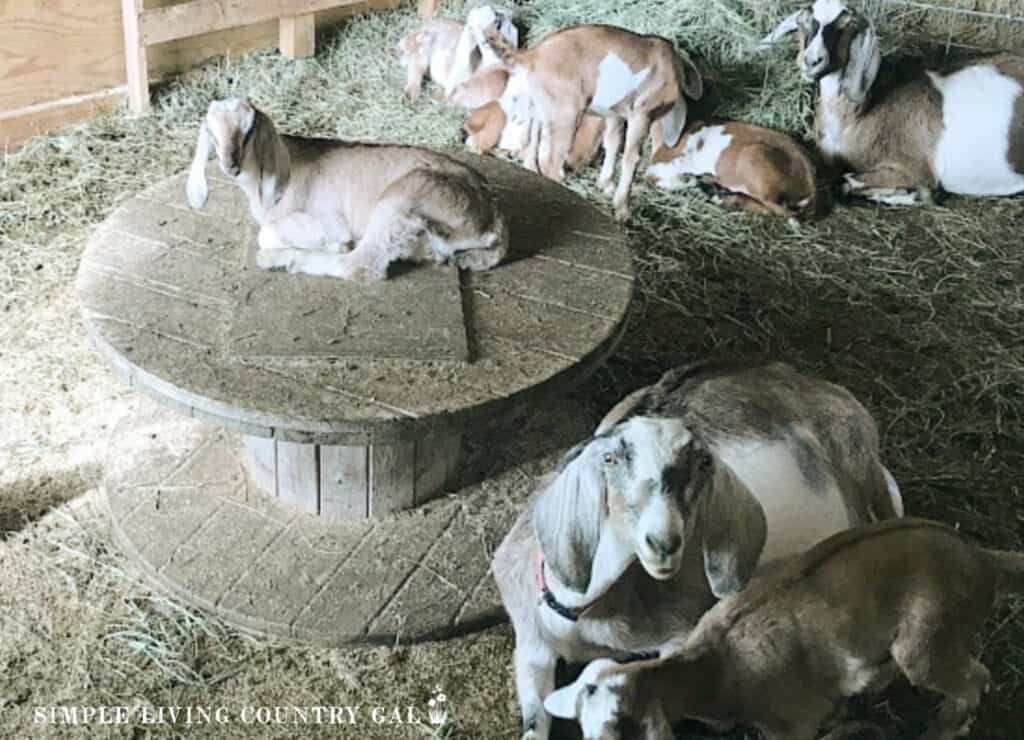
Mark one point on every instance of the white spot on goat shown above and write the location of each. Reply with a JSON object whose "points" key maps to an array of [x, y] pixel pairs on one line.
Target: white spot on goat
{"points": [[699, 157], [615, 81], [826, 11], [798, 514], [973, 153]]}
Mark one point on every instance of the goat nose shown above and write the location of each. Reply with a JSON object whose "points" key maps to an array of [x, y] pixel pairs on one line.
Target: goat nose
{"points": [[665, 548]]}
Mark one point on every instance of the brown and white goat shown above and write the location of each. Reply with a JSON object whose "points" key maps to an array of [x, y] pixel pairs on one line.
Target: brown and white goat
{"points": [[906, 595], [317, 198], [628, 79], [764, 171], [685, 488], [962, 132]]}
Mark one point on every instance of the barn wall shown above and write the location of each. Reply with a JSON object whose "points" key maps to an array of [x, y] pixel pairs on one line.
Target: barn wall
{"points": [[61, 60]]}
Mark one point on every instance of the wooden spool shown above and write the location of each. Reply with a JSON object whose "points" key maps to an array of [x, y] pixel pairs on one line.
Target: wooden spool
{"points": [[353, 481], [352, 401]]}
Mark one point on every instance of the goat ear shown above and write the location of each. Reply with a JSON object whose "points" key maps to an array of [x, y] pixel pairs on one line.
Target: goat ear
{"points": [[865, 57], [733, 531], [563, 702], [197, 189], [789, 24], [673, 124], [693, 83], [267, 148], [621, 410], [611, 559]]}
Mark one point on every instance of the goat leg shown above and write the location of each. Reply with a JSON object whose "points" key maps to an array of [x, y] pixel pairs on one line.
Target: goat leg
{"points": [[613, 130], [637, 126], [535, 679], [888, 185]]}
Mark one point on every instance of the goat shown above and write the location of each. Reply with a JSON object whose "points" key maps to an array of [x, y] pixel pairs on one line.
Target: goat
{"points": [[764, 171], [314, 198], [447, 52], [841, 619], [962, 132], [684, 488], [629, 79]]}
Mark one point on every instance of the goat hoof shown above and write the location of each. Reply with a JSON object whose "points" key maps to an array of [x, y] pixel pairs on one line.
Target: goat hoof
{"points": [[622, 214]]}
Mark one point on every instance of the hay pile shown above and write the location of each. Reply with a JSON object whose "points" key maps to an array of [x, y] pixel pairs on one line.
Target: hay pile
{"points": [[919, 312]]}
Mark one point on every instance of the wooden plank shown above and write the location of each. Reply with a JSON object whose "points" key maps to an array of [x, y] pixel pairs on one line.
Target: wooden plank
{"points": [[297, 36], [344, 482], [261, 453], [17, 126], [204, 16], [136, 63], [437, 454], [392, 477], [298, 475]]}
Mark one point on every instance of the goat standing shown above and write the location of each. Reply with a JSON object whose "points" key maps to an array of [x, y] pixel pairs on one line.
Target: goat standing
{"points": [[686, 486], [963, 132], [628, 79], [842, 619], [316, 198]]}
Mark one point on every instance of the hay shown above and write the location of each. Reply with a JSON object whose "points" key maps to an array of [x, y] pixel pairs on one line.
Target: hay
{"points": [[920, 313]]}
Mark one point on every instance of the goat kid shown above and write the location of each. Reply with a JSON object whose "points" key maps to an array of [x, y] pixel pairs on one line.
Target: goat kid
{"points": [[962, 132], [842, 619], [628, 79], [686, 486], [316, 198], [447, 52], [764, 171]]}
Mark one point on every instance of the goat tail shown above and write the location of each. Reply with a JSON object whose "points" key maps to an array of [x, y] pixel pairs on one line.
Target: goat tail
{"points": [[197, 189], [1011, 569]]}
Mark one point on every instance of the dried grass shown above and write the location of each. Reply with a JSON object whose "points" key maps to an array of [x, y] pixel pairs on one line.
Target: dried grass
{"points": [[920, 313]]}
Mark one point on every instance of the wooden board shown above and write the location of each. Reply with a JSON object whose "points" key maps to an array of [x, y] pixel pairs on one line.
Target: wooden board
{"points": [[415, 316], [54, 53]]}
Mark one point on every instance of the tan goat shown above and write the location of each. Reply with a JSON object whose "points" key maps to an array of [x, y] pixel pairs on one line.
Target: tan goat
{"points": [[629, 79], [429, 53], [315, 199], [902, 595], [764, 171]]}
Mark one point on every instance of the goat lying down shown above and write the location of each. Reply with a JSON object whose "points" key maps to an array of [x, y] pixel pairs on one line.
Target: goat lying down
{"points": [[628, 79], [447, 52], [905, 595], [685, 487], [316, 198], [764, 171], [962, 132]]}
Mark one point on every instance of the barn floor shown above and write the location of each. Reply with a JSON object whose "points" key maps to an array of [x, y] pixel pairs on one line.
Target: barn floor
{"points": [[919, 312]]}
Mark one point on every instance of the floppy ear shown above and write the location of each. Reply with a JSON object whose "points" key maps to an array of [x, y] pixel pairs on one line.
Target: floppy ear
{"points": [[862, 65], [733, 531], [270, 154], [572, 529], [197, 189], [693, 83], [621, 410], [673, 124], [563, 702], [788, 25]]}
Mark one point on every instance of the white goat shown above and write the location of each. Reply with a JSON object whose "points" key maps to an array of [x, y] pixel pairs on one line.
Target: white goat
{"points": [[629, 79], [842, 619], [699, 478], [962, 132], [315, 198], [763, 171]]}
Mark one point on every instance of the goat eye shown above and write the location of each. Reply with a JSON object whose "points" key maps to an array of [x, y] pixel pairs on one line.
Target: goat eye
{"points": [[609, 458], [591, 689]]}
